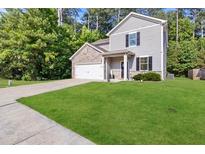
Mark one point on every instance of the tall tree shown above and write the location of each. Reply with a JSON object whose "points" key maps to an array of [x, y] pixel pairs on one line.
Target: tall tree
{"points": [[69, 16], [154, 12], [60, 16], [201, 20], [201, 53], [193, 14], [105, 19], [177, 25], [32, 44], [101, 19], [118, 14]]}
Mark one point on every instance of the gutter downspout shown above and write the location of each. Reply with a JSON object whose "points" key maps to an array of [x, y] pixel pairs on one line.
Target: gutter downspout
{"points": [[162, 53]]}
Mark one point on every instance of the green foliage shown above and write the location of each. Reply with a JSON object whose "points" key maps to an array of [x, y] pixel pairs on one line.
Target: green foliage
{"points": [[88, 35], [138, 77], [189, 51], [149, 76], [201, 53], [32, 43], [186, 28], [107, 18], [182, 58], [26, 77], [85, 35], [34, 47]]}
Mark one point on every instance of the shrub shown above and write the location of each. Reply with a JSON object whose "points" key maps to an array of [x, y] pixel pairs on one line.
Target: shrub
{"points": [[26, 77], [150, 76], [138, 77]]}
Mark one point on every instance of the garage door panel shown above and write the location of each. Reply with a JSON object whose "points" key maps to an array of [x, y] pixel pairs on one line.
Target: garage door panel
{"points": [[91, 71]]}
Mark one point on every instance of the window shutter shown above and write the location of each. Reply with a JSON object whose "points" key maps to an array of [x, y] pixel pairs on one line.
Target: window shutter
{"points": [[150, 63], [137, 64], [138, 38], [127, 40]]}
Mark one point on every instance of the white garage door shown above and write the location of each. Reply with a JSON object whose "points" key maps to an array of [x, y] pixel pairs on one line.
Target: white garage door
{"points": [[91, 71]]}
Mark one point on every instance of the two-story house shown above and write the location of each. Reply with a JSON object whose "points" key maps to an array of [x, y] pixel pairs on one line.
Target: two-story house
{"points": [[137, 44]]}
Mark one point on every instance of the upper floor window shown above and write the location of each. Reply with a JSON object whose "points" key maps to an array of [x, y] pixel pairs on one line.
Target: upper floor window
{"points": [[132, 39]]}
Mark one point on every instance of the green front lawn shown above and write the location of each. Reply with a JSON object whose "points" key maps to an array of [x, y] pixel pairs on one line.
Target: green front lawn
{"points": [[168, 112], [4, 82]]}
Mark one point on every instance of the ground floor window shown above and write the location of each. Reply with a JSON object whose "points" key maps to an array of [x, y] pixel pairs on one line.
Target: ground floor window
{"points": [[144, 63]]}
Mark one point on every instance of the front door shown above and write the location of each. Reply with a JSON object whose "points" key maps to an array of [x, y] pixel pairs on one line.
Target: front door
{"points": [[122, 69]]}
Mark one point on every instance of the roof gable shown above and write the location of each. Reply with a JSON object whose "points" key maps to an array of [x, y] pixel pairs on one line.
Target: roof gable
{"points": [[139, 16], [84, 45]]}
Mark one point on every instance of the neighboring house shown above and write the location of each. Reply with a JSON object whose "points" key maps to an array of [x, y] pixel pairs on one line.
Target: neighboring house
{"points": [[137, 44]]}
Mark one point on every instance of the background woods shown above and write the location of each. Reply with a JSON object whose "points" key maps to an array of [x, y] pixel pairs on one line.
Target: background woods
{"points": [[34, 46]]}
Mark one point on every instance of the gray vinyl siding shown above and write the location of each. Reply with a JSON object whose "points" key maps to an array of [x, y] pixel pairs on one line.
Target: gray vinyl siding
{"points": [[132, 23], [116, 62], [150, 45]]}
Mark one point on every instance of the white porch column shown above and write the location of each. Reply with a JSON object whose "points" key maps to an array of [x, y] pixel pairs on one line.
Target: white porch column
{"points": [[106, 68], [125, 67], [103, 66]]}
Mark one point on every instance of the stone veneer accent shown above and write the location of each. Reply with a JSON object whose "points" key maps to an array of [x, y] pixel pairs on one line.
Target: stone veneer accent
{"points": [[87, 55]]}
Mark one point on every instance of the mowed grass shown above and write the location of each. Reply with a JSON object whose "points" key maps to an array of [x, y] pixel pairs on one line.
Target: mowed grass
{"points": [[4, 82], [167, 112]]}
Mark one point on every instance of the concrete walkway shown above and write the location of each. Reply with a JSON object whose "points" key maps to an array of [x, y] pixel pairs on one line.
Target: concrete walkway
{"points": [[20, 124]]}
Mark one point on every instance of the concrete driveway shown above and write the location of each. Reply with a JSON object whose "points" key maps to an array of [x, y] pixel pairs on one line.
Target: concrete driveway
{"points": [[20, 124]]}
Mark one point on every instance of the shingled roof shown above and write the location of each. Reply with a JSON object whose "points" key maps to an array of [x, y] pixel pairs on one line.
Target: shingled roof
{"points": [[104, 50], [101, 41]]}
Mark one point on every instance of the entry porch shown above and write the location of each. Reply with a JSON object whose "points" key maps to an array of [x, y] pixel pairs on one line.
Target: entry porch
{"points": [[116, 64]]}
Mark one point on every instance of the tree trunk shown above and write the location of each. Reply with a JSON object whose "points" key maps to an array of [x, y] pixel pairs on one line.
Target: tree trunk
{"points": [[194, 30], [60, 16], [202, 29], [75, 23], [118, 15], [88, 21], [177, 25], [97, 22]]}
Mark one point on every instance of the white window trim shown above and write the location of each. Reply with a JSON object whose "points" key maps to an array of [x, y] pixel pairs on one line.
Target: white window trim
{"points": [[147, 63], [129, 46], [144, 56]]}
